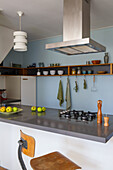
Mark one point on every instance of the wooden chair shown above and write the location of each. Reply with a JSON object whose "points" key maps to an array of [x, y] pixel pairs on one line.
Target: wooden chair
{"points": [[1, 168], [51, 161]]}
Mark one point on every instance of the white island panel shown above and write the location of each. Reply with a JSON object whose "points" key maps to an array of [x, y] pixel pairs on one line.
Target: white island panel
{"points": [[89, 155]]}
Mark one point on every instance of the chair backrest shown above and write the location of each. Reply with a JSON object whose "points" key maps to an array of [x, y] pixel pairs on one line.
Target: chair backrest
{"points": [[29, 150]]}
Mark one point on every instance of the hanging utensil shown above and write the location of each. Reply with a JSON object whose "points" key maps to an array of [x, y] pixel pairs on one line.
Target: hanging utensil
{"points": [[76, 85], [94, 89], [85, 84]]}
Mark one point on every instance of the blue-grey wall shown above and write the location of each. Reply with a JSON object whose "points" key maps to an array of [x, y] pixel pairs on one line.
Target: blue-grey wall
{"points": [[47, 87]]}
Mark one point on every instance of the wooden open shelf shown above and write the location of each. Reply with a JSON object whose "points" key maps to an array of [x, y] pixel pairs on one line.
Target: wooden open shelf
{"points": [[67, 69], [32, 71], [88, 74]]}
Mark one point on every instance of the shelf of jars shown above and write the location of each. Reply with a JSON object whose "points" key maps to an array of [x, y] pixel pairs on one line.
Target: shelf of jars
{"points": [[91, 69], [70, 70], [73, 70]]}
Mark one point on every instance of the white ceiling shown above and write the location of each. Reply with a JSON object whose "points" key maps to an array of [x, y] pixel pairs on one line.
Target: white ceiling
{"points": [[44, 18]]}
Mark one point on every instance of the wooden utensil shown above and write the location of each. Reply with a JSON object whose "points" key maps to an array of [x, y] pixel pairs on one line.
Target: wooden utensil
{"points": [[106, 121], [99, 113], [94, 89]]}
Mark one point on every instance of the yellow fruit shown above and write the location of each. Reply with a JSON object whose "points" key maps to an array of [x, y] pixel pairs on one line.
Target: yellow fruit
{"points": [[9, 109], [2, 109], [15, 109], [43, 109], [33, 108], [39, 109]]}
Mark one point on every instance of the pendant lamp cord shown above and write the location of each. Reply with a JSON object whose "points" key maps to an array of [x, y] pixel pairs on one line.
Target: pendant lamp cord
{"points": [[20, 22]]}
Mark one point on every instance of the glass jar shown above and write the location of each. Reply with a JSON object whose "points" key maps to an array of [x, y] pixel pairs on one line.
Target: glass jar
{"points": [[73, 71], [78, 70]]}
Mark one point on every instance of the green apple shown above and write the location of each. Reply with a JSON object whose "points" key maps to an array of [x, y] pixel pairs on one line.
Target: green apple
{"points": [[39, 109], [33, 108], [15, 109], [9, 109], [43, 109]]}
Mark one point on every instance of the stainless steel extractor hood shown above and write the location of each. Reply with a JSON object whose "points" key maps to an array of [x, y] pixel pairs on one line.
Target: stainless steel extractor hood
{"points": [[76, 30]]}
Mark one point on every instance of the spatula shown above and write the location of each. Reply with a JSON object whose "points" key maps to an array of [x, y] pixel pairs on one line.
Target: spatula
{"points": [[94, 89]]}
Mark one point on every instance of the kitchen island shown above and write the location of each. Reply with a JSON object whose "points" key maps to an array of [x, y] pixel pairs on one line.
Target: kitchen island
{"points": [[52, 133], [50, 121]]}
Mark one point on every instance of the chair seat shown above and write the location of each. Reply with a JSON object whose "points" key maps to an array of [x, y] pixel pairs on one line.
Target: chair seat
{"points": [[53, 161]]}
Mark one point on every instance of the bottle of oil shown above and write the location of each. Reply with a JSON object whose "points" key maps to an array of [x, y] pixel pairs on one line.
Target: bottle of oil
{"points": [[99, 113], [73, 71]]}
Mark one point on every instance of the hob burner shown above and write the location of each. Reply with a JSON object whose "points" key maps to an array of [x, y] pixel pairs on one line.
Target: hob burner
{"points": [[78, 115]]}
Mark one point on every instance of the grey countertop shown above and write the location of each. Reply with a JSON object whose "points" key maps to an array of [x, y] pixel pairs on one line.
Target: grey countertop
{"points": [[50, 121]]}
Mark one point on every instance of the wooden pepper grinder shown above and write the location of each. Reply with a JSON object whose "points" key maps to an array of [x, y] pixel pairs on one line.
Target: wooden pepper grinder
{"points": [[99, 113]]}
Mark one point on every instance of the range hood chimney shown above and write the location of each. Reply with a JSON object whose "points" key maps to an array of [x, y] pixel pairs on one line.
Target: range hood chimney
{"points": [[76, 30]]}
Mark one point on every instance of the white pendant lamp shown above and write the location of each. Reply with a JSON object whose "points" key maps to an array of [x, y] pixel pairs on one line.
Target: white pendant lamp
{"points": [[20, 37]]}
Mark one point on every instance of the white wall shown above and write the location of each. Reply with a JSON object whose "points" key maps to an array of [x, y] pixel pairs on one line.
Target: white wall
{"points": [[87, 154], [6, 41], [2, 82]]}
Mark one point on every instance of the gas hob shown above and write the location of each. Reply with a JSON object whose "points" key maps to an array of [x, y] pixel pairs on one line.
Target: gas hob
{"points": [[78, 115]]}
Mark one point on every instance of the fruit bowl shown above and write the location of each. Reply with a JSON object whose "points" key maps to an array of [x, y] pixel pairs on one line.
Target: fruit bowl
{"points": [[10, 113], [101, 72], [96, 61]]}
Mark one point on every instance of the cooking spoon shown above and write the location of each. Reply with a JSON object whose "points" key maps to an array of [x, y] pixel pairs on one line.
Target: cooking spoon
{"points": [[94, 89]]}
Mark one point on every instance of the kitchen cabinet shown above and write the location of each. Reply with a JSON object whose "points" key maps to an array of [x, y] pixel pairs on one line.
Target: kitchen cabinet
{"points": [[13, 87], [28, 90], [21, 88]]}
